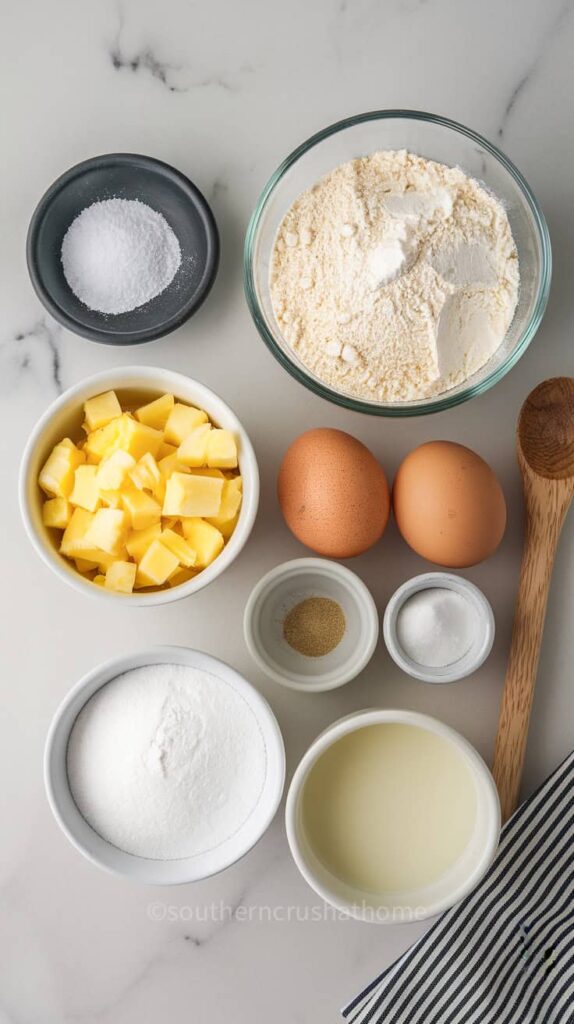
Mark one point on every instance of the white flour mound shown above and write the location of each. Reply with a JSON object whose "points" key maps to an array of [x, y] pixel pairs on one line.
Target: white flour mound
{"points": [[394, 278], [166, 761]]}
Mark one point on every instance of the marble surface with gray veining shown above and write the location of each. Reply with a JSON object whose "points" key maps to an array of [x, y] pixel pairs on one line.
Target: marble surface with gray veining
{"points": [[224, 90]]}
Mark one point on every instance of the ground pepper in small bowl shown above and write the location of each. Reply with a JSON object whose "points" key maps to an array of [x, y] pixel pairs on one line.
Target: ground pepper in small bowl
{"points": [[315, 626]]}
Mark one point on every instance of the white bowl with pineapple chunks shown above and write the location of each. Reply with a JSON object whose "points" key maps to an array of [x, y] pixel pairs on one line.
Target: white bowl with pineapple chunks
{"points": [[139, 484]]}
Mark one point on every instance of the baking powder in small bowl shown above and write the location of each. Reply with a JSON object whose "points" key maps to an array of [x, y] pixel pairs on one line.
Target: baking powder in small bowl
{"points": [[166, 761]]}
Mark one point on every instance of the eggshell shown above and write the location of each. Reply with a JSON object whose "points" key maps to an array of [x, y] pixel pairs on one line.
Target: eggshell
{"points": [[333, 493], [449, 505]]}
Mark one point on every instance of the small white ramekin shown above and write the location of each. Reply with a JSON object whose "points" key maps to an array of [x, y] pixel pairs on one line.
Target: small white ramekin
{"points": [[63, 418], [484, 636], [397, 907], [143, 869], [281, 589]]}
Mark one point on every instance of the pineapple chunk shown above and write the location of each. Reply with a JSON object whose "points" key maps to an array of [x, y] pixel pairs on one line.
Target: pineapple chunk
{"points": [[137, 439], [99, 580], [113, 470], [111, 499], [166, 449], [230, 502], [103, 442], [156, 414], [181, 421], [205, 471], [205, 539], [74, 539], [226, 528], [181, 576], [56, 513], [101, 409], [57, 475], [85, 565], [86, 492], [143, 510], [121, 576], [156, 565], [108, 530], [139, 541], [171, 464], [192, 495], [221, 449], [193, 450], [173, 542], [146, 475]]}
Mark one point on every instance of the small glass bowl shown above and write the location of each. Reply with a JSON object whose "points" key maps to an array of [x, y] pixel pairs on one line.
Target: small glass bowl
{"points": [[435, 138]]}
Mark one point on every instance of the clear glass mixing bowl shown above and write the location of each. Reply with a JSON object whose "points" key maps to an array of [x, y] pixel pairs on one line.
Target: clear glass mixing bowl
{"points": [[435, 138]]}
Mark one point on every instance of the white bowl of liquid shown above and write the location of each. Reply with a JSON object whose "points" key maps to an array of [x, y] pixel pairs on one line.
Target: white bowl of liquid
{"points": [[392, 816]]}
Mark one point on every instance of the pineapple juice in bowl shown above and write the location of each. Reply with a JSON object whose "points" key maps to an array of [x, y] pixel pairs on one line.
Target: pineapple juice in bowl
{"points": [[134, 386]]}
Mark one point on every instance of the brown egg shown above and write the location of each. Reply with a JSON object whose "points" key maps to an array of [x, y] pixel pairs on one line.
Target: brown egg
{"points": [[333, 493], [449, 505]]}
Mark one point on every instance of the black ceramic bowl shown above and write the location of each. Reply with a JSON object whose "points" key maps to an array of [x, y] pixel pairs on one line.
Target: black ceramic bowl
{"points": [[124, 176]]}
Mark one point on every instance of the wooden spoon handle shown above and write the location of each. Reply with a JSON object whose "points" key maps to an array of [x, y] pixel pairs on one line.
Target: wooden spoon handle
{"points": [[546, 506]]}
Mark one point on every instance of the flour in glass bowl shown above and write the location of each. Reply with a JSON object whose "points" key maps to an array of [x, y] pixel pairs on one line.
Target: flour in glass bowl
{"points": [[166, 761], [394, 278]]}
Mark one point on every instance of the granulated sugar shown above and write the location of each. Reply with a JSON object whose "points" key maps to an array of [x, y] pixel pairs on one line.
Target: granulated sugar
{"points": [[166, 761], [394, 278], [118, 254]]}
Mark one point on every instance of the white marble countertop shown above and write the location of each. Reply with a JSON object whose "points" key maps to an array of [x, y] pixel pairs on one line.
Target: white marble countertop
{"points": [[224, 91]]}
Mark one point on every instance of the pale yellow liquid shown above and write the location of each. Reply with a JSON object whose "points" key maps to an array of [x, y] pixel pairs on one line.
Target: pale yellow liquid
{"points": [[389, 807]]}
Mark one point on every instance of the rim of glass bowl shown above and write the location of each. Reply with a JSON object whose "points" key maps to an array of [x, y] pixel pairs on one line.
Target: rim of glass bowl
{"points": [[446, 400]]}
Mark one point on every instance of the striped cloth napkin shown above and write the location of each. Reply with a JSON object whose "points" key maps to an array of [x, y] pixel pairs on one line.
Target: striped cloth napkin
{"points": [[505, 955]]}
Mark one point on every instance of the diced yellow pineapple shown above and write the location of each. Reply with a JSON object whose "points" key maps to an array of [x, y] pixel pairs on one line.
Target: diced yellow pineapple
{"points": [[57, 475], [99, 580], [112, 471], [56, 512], [111, 499], [156, 565], [85, 493], [181, 421], [226, 528], [137, 438], [103, 442], [206, 471], [85, 565], [166, 449], [139, 541], [121, 576], [143, 510], [74, 541], [205, 539], [101, 409], [193, 449], [108, 530], [181, 576], [146, 475], [230, 502], [192, 495], [184, 553], [155, 414], [221, 449], [171, 464]]}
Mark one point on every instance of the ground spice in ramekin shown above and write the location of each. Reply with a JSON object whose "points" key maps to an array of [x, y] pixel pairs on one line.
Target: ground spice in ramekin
{"points": [[315, 626]]}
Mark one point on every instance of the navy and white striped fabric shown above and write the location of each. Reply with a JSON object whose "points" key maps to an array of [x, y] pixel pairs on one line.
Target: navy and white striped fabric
{"points": [[505, 955]]}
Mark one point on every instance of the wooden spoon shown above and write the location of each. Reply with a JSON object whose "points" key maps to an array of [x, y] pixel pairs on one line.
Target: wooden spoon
{"points": [[545, 447]]}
